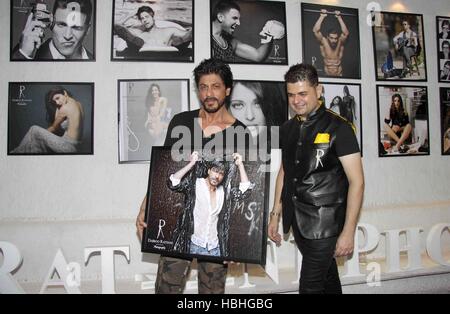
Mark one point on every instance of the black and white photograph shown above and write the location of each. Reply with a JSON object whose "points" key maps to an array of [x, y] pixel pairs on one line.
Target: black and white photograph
{"points": [[261, 106], [345, 100], [403, 121], [153, 31], [331, 40], [53, 30], [443, 48], [399, 47], [51, 119], [249, 32], [209, 206], [445, 120], [145, 110]]}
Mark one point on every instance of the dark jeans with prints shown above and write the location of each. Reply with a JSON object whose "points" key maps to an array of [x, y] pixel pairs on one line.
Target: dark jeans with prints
{"points": [[173, 273], [319, 274]]}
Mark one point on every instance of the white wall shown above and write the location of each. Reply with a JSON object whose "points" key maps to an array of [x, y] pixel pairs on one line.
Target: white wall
{"points": [[73, 202]]}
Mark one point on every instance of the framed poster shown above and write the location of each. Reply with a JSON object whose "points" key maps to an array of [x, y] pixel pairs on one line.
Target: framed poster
{"points": [[345, 100], [443, 47], [53, 30], [331, 40], [403, 123], [399, 47], [213, 207], [157, 31], [261, 106], [445, 120], [249, 32], [50, 118], [145, 110]]}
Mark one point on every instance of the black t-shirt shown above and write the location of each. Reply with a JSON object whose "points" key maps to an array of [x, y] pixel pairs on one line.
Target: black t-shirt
{"points": [[346, 142], [185, 126]]}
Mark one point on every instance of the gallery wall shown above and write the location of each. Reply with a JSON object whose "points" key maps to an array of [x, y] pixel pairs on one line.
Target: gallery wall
{"points": [[73, 202]]}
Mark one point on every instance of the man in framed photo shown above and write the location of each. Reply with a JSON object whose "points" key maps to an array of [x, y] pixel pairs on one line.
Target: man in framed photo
{"points": [[69, 22], [204, 223], [407, 44], [142, 33], [225, 19], [331, 45]]}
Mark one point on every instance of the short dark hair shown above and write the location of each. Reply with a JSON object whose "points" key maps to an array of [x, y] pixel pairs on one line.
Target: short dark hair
{"points": [[302, 72], [85, 7], [214, 66], [445, 22], [445, 42], [332, 31], [223, 6], [143, 9]]}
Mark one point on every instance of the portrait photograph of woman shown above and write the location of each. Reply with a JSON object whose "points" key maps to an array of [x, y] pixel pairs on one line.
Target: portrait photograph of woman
{"points": [[50, 119]]}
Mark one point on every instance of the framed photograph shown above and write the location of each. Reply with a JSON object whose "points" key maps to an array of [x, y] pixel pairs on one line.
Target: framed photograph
{"points": [[249, 32], [443, 48], [145, 110], [399, 47], [260, 105], [53, 30], [160, 31], [331, 40], [445, 120], [51, 118], [213, 207], [345, 100], [403, 123]]}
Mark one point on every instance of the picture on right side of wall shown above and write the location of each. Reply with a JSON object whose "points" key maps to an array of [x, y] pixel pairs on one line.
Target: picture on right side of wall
{"points": [[403, 123], [443, 47], [445, 120], [399, 47]]}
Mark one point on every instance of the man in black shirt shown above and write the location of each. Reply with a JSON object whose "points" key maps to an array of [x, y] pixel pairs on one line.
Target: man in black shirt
{"points": [[210, 128], [320, 184]]}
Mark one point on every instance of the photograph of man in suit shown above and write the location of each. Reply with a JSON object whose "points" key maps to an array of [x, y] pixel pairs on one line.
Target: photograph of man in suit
{"points": [[69, 22]]}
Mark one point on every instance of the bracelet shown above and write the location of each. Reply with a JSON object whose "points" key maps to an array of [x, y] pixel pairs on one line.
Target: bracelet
{"points": [[272, 213]]}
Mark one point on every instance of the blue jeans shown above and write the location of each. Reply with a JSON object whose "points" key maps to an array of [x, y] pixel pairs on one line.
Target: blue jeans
{"points": [[198, 250]]}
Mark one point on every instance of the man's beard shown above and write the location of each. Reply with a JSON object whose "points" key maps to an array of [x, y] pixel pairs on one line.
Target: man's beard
{"points": [[214, 109]]}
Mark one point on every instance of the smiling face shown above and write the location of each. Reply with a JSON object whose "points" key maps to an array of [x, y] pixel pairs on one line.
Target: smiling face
{"points": [[155, 91], [303, 98], [230, 21], [212, 92], [245, 106], [69, 31]]}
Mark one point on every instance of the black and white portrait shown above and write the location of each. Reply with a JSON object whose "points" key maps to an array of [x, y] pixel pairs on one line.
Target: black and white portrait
{"points": [[209, 206], [50, 119], [443, 48], [145, 110], [249, 31], [331, 40], [403, 122], [399, 47], [53, 30], [345, 100], [153, 30], [445, 120]]}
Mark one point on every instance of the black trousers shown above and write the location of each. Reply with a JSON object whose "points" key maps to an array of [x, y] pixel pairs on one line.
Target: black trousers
{"points": [[319, 274]]}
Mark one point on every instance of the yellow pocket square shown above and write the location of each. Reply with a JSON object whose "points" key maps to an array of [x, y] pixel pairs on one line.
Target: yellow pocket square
{"points": [[322, 138]]}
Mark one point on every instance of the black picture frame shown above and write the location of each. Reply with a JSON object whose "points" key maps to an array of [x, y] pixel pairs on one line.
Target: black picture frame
{"points": [[415, 103], [131, 42], [138, 130], [390, 63], [253, 18], [247, 217], [28, 123], [50, 51], [445, 120], [350, 64], [443, 40], [350, 104]]}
